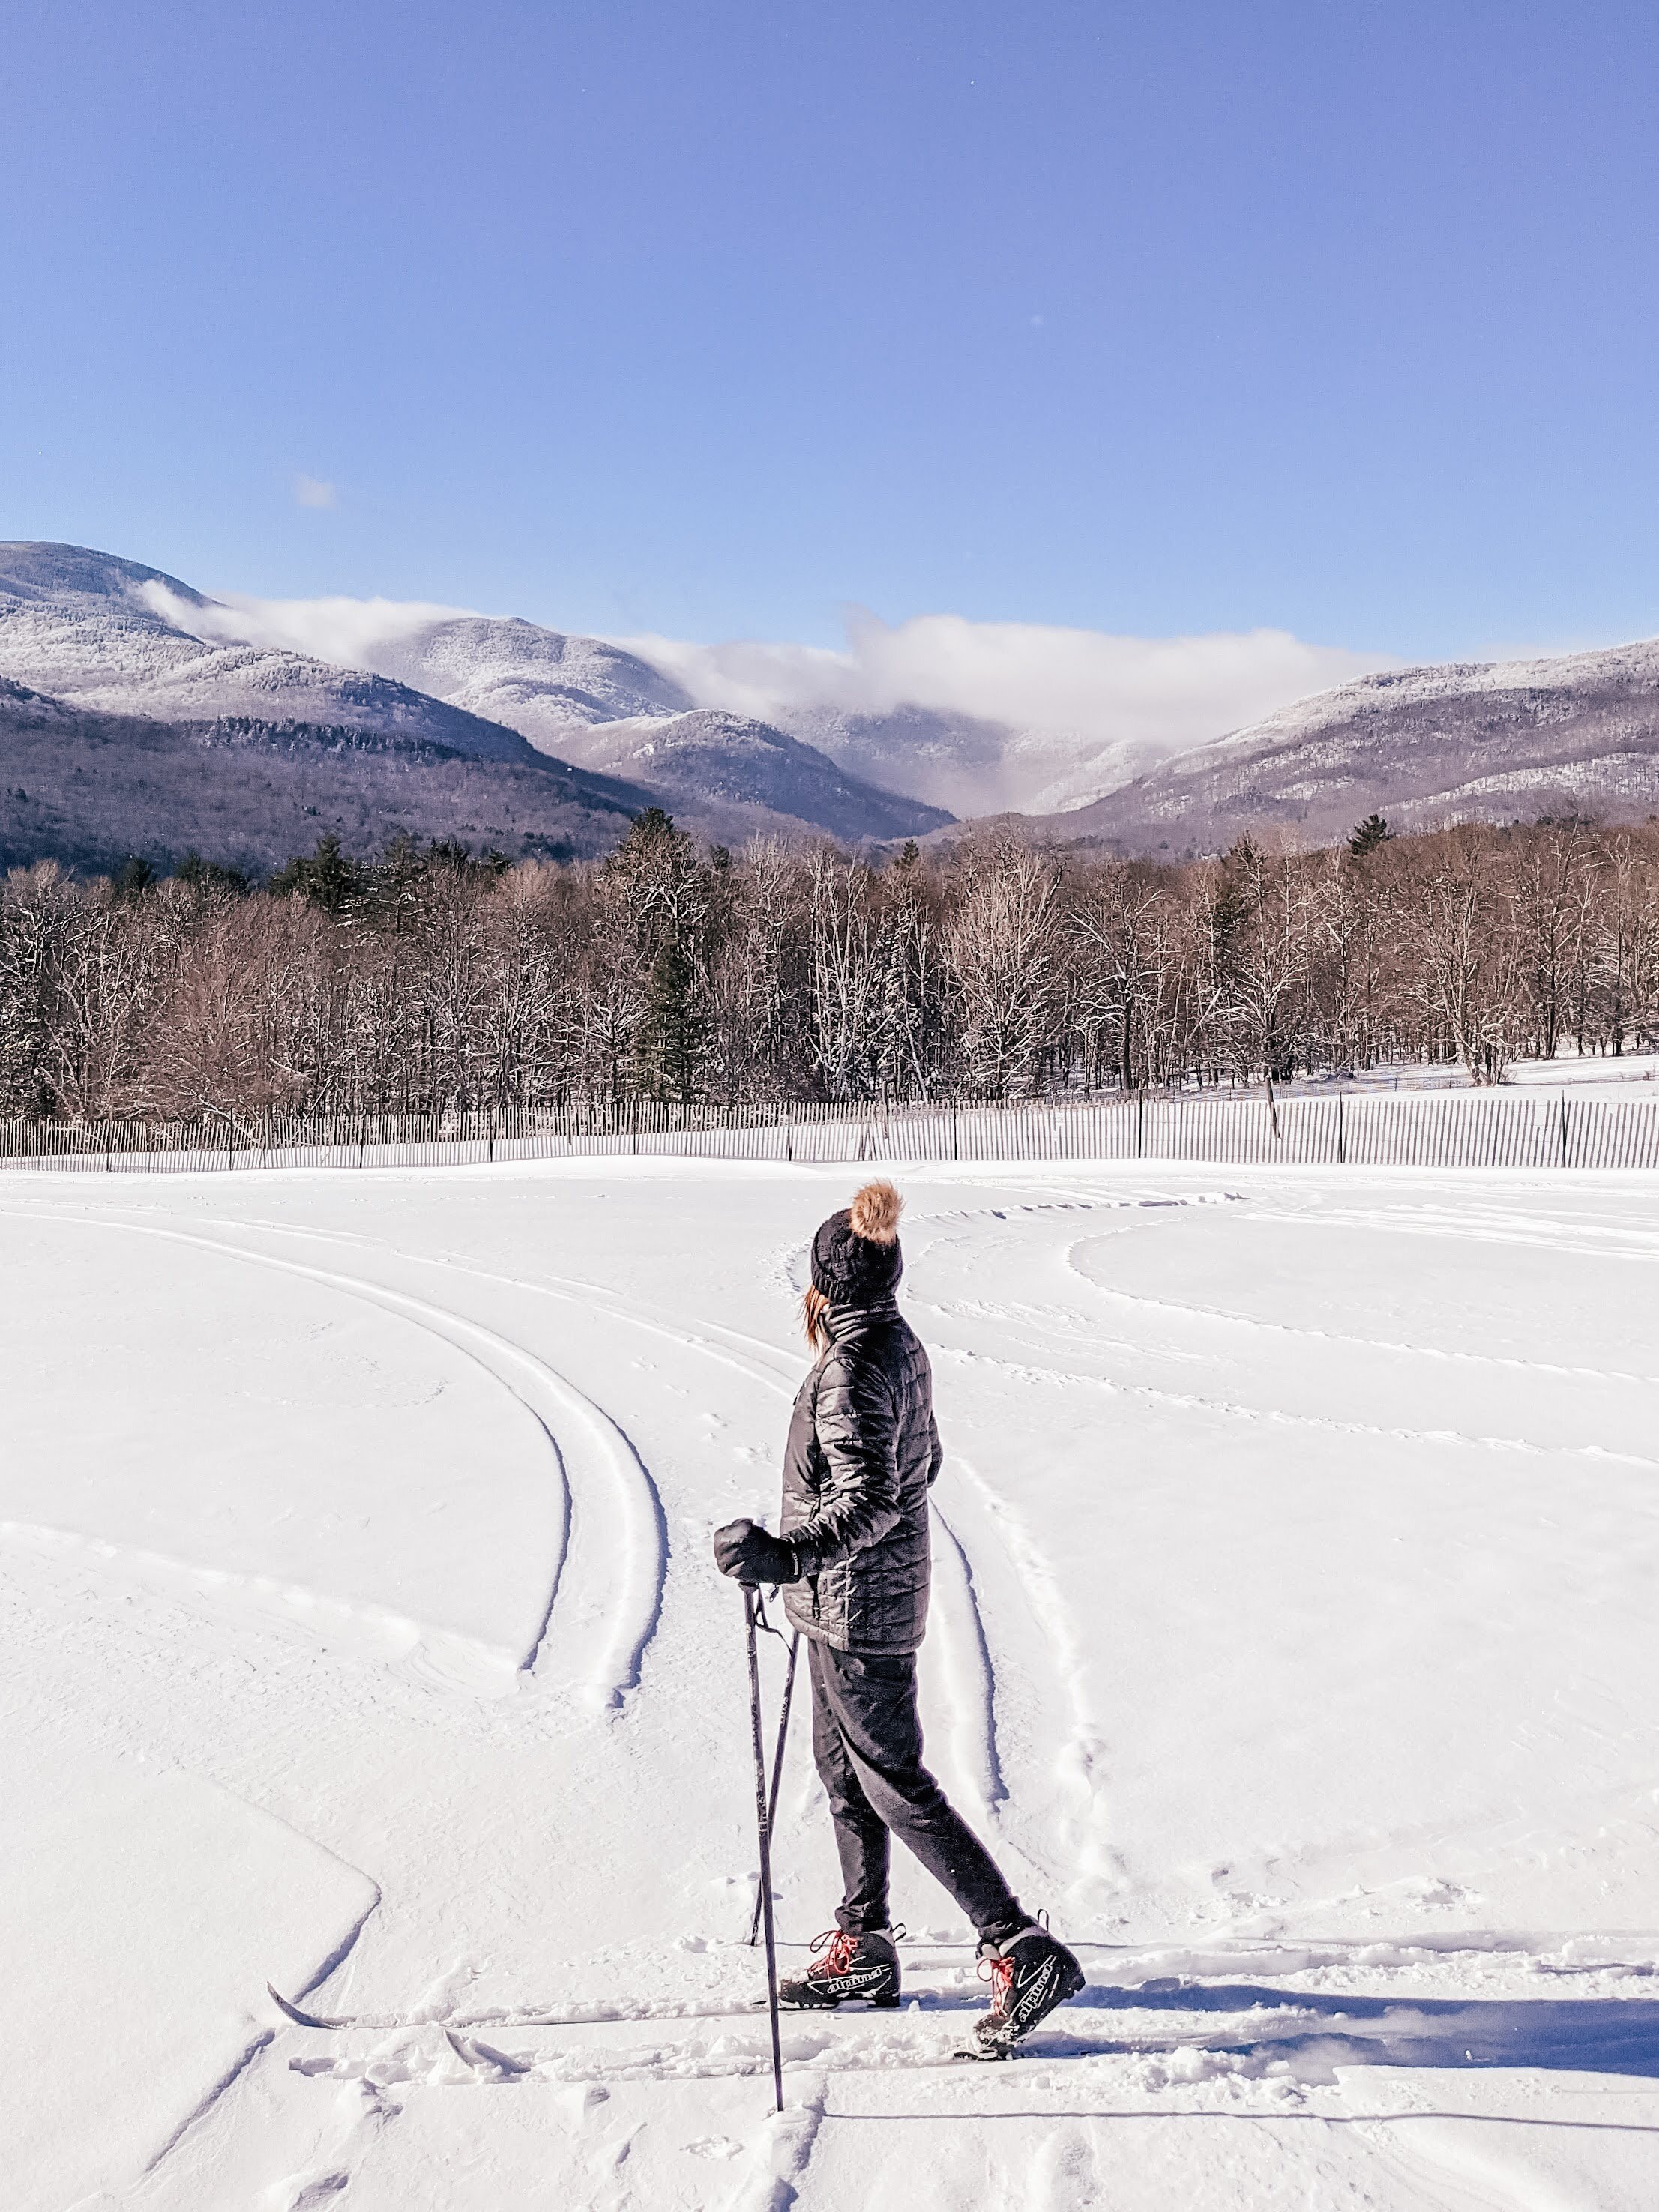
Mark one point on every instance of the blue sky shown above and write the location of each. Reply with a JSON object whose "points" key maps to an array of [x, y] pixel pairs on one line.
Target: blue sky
{"points": [[711, 320]]}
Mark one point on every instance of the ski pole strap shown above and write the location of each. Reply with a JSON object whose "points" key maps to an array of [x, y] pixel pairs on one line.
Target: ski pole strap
{"points": [[752, 1591]]}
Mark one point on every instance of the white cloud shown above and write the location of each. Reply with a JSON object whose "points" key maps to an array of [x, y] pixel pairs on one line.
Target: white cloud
{"points": [[1087, 709], [1064, 715], [314, 491], [348, 632], [1167, 691]]}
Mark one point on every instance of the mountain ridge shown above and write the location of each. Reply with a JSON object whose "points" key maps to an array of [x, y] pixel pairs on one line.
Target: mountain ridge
{"points": [[91, 790], [117, 639], [76, 625], [1460, 740]]}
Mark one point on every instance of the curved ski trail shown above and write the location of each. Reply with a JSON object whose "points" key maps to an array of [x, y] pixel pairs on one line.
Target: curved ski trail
{"points": [[611, 1562]]}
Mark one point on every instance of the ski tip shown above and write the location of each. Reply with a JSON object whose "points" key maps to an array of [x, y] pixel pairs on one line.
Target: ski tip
{"points": [[300, 2018]]}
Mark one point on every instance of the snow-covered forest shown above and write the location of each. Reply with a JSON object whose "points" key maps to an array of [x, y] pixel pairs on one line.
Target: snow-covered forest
{"points": [[436, 980]]}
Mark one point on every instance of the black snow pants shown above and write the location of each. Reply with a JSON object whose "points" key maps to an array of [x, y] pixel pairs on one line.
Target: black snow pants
{"points": [[866, 1742]]}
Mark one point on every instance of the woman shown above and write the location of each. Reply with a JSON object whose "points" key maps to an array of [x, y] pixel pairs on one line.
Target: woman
{"points": [[854, 1562]]}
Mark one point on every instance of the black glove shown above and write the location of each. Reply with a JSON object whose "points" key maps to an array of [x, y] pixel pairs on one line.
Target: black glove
{"points": [[753, 1554]]}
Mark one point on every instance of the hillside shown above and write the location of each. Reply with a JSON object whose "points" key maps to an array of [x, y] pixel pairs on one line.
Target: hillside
{"points": [[88, 789], [605, 708], [497, 730], [1491, 741], [540, 681], [85, 627], [730, 762]]}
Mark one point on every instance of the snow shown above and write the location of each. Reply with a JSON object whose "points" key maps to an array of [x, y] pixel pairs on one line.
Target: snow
{"points": [[1292, 1646], [1633, 667], [106, 643], [1603, 1075]]}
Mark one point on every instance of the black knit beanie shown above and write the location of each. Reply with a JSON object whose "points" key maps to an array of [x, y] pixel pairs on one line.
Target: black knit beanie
{"points": [[856, 1258]]}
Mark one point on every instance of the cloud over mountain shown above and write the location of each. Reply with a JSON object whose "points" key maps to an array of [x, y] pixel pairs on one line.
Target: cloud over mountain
{"points": [[1169, 692], [969, 715], [1496, 741]]}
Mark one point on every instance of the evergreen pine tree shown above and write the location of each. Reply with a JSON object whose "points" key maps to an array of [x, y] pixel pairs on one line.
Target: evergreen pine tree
{"points": [[671, 1033], [1368, 835], [329, 878]]}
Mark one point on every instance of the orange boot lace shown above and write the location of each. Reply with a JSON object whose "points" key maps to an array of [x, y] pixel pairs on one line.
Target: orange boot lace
{"points": [[838, 1947], [999, 1973]]}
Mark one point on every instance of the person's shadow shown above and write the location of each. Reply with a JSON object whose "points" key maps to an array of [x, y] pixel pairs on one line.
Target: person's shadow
{"points": [[1584, 2035]]}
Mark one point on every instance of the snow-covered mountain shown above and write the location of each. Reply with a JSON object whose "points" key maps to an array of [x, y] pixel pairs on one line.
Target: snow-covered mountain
{"points": [[107, 634], [710, 758], [111, 638], [133, 648], [88, 789], [970, 763], [1478, 741], [609, 710], [538, 682]]}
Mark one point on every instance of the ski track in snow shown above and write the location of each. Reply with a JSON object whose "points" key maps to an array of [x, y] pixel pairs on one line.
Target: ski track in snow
{"points": [[1264, 2053], [1255, 1325], [1230, 1410], [449, 1657], [1116, 1974], [973, 1675], [1064, 1687], [971, 1667], [611, 1522], [1594, 1241], [746, 1355], [1253, 2026], [959, 1621], [960, 1625]]}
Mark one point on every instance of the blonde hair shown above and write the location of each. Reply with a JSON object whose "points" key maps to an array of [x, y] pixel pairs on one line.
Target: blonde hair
{"points": [[814, 1308]]}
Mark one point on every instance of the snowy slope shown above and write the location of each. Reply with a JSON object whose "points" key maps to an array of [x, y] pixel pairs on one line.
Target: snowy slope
{"points": [[972, 763], [85, 627], [710, 758], [1480, 742], [1291, 1642], [538, 682], [609, 710], [87, 788]]}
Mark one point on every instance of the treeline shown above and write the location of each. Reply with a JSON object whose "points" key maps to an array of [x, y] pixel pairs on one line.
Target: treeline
{"points": [[432, 981]]}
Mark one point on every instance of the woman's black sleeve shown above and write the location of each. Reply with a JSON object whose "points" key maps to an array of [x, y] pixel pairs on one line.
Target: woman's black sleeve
{"points": [[856, 1420]]}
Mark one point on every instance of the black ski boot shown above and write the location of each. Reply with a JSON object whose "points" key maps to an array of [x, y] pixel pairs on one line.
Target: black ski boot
{"points": [[1029, 1975], [862, 1966]]}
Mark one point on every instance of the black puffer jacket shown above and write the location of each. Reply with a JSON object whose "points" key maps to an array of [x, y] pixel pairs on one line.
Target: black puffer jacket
{"points": [[862, 1454]]}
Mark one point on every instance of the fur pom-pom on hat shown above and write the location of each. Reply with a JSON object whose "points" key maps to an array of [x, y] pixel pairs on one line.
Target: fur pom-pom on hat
{"points": [[874, 1214], [856, 1258]]}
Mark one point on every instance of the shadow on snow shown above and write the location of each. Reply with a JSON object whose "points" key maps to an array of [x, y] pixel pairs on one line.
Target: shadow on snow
{"points": [[1587, 2035]]}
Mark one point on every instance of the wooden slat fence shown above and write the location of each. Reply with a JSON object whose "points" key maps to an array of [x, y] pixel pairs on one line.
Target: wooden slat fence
{"points": [[1426, 1129]]}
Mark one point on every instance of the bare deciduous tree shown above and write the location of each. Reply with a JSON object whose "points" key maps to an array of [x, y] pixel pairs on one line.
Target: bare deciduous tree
{"points": [[431, 982]]}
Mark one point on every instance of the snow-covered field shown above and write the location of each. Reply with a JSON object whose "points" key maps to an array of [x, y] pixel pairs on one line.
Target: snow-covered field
{"points": [[1294, 1644]]}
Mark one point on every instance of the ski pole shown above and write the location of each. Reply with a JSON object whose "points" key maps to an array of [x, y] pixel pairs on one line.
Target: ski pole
{"points": [[777, 1770], [750, 1602]]}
